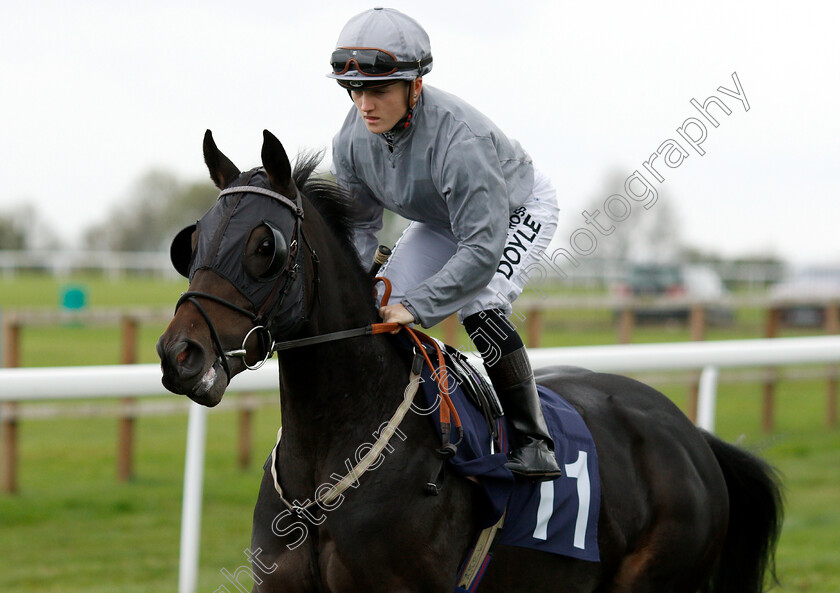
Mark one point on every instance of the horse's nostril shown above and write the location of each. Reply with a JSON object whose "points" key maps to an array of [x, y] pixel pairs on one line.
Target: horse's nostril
{"points": [[185, 358], [182, 356]]}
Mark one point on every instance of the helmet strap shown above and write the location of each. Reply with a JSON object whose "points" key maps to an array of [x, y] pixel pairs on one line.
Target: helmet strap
{"points": [[405, 122]]}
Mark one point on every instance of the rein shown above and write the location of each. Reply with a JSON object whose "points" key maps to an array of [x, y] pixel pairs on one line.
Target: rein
{"points": [[448, 412], [368, 330]]}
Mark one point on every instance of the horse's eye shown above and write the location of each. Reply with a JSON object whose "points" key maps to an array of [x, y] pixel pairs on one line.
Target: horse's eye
{"points": [[266, 252], [266, 248]]}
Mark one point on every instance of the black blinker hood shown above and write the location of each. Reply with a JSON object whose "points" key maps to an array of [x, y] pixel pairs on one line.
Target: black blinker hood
{"points": [[222, 235]]}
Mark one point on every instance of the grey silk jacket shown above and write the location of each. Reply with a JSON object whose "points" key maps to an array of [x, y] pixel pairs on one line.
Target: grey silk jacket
{"points": [[452, 167]]}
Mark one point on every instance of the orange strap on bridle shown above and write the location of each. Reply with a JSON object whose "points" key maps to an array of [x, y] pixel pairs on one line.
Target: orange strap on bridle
{"points": [[448, 412]]}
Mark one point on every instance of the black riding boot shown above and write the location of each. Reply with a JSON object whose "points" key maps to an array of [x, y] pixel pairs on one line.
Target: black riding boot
{"points": [[513, 380]]}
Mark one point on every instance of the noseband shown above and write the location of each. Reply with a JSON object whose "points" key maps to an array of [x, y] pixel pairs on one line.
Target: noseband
{"points": [[264, 319]]}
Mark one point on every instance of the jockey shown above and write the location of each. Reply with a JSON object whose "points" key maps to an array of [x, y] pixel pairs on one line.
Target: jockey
{"points": [[481, 213]]}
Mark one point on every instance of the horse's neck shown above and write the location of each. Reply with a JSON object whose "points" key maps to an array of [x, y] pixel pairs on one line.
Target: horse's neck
{"points": [[334, 399], [339, 391]]}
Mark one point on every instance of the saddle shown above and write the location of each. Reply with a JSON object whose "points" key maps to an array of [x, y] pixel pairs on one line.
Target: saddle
{"points": [[476, 387], [559, 516]]}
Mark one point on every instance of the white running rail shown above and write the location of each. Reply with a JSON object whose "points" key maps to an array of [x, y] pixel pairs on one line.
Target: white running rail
{"points": [[39, 384]]}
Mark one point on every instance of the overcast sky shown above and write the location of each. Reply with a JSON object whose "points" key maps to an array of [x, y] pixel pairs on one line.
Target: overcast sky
{"points": [[94, 94]]}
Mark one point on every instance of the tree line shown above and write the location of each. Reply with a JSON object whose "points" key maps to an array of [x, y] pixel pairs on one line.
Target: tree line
{"points": [[158, 205]]}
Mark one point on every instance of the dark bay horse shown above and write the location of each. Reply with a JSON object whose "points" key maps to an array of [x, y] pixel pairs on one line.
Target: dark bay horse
{"points": [[680, 510]]}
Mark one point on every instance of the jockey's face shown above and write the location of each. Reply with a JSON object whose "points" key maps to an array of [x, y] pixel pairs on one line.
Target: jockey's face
{"points": [[381, 108]]}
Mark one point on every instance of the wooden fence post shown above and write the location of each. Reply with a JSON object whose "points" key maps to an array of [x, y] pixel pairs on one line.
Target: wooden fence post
{"points": [[9, 430], [11, 342], [771, 330], [697, 329], [832, 326], [246, 417], [125, 430], [626, 321], [8, 413]]}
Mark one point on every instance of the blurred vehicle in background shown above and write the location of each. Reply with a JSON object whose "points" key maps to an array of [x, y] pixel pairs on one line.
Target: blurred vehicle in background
{"points": [[801, 296], [681, 283]]}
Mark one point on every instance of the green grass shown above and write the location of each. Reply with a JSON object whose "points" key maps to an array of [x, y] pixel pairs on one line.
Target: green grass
{"points": [[74, 528], [808, 459], [39, 290], [76, 343]]}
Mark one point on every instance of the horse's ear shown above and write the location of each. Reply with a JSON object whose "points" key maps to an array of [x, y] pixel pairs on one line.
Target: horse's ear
{"points": [[276, 163], [222, 170]]}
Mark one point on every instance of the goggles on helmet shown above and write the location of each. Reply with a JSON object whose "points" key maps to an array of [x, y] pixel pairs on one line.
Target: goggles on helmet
{"points": [[371, 61]]}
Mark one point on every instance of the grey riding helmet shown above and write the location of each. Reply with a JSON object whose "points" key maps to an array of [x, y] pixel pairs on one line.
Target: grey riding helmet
{"points": [[379, 46]]}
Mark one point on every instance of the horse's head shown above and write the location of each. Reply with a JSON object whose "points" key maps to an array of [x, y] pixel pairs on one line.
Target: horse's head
{"points": [[243, 260]]}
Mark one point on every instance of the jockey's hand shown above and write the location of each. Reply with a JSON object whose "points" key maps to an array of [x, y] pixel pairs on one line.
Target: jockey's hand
{"points": [[396, 314]]}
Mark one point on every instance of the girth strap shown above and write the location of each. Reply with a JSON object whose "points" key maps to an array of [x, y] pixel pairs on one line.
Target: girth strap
{"points": [[478, 558]]}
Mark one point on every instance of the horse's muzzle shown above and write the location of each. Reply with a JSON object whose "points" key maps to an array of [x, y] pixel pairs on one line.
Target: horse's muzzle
{"points": [[187, 371]]}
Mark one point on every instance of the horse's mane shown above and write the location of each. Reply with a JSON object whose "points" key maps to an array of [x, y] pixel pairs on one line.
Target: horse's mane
{"points": [[331, 201]]}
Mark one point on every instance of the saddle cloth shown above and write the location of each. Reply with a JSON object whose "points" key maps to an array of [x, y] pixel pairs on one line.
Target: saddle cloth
{"points": [[559, 516]]}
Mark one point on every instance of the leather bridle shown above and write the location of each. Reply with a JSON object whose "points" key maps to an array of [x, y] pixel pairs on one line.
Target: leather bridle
{"points": [[264, 320]]}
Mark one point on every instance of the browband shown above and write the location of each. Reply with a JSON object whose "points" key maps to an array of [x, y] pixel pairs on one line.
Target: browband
{"points": [[296, 206]]}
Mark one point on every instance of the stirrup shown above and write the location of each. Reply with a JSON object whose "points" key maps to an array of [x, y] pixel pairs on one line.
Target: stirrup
{"points": [[534, 461]]}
